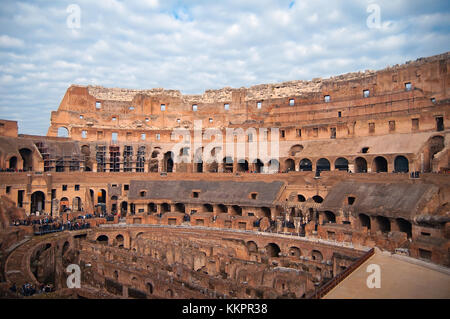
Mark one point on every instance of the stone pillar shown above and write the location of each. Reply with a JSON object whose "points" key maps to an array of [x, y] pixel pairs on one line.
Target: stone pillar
{"points": [[374, 224], [297, 223], [279, 223]]}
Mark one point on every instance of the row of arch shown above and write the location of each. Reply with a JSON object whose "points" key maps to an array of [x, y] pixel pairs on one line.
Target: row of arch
{"points": [[273, 250], [379, 164]]}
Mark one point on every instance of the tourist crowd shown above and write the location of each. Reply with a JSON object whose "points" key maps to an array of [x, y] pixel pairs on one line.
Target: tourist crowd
{"points": [[30, 290]]}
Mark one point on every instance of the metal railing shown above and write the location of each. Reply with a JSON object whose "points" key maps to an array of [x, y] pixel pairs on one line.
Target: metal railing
{"points": [[325, 288]]}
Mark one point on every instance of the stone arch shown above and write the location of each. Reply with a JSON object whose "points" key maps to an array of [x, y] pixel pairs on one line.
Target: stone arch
{"points": [[273, 250], [401, 164], [180, 207], [149, 286], [294, 150], [236, 210], [258, 166], [289, 165], [102, 239], [404, 226], [77, 204], [119, 240], [436, 144], [12, 163], [252, 247], [266, 212], [63, 131], [384, 225], [27, 156], [242, 165], [228, 164], [380, 164], [323, 165], [294, 251], [364, 220], [317, 199], [124, 209], [208, 208], [341, 164], [360, 165], [165, 208], [305, 165], [274, 166], [316, 255], [168, 162], [222, 208], [329, 217], [65, 247], [37, 202]]}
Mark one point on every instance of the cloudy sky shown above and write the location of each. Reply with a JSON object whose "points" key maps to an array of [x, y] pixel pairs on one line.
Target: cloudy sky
{"points": [[45, 46]]}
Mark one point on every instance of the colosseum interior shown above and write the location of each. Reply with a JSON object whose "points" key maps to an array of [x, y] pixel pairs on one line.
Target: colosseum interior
{"points": [[155, 194]]}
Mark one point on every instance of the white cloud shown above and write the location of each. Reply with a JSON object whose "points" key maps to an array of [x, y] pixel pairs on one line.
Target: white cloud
{"points": [[203, 45], [10, 42]]}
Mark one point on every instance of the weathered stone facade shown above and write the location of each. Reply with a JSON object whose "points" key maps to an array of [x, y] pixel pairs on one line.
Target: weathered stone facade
{"points": [[363, 161]]}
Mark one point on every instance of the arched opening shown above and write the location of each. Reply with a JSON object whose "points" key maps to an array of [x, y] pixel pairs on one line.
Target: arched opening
{"points": [[380, 164], [222, 208], [404, 226], [199, 166], [258, 166], [165, 208], [401, 164], [65, 248], [236, 210], [85, 150], [101, 196], [252, 247], [289, 165], [228, 164], [305, 165], [266, 212], [63, 132], [323, 165], [116, 275], [149, 288], [436, 145], [294, 150], [76, 204], [384, 225], [364, 220], [316, 255], [13, 163], [151, 208], [102, 239], [273, 250], [114, 204], [123, 209], [360, 165], [168, 162], [27, 159], [329, 217], [274, 166], [317, 199], [179, 207], [37, 202], [294, 252], [208, 208], [301, 198], [242, 165], [341, 164], [119, 241]]}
